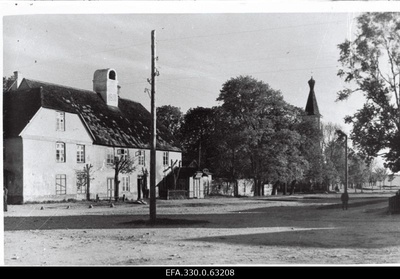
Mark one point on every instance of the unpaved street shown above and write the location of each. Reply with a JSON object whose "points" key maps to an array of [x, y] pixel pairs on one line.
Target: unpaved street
{"points": [[298, 229]]}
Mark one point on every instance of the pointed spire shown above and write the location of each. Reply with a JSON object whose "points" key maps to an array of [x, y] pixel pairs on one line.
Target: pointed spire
{"points": [[312, 105]]}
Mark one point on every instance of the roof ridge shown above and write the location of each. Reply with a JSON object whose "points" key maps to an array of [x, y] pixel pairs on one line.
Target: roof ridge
{"points": [[59, 85], [74, 88]]}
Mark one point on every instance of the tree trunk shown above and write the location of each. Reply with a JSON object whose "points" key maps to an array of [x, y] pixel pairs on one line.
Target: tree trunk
{"points": [[233, 175], [116, 189], [88, 188], [257, 187], [235, 188], [293, 186], [274, 189], [139, 189]]}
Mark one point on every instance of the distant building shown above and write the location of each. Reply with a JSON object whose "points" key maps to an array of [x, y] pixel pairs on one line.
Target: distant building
{"points": [[392, 180], [51, 131], [311, 109]]}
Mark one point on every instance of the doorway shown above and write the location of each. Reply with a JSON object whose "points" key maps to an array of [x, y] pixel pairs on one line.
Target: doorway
{"points": [[110, 187], [139, 186]]}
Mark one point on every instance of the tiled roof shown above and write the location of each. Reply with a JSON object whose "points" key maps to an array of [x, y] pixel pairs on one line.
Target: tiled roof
{"points": [[126, 126], [18, 110]]}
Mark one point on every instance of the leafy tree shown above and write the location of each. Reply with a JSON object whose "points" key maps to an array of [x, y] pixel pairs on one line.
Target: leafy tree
{"points": [[381, 175], [311, 149], [171, 117], [123, 164], [197, 132], [371, 174], [84, 177], [334, 153], [260, 122], [7, 82], [371, 66], [358, 169], [229, 158]]}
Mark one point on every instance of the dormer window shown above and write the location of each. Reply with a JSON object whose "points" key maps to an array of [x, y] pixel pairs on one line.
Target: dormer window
{"points": [[60, 121]]}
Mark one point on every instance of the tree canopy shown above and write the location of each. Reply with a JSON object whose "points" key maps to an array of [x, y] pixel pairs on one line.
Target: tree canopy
{"points": [[171, 117], [262, 123], [371, 66]]}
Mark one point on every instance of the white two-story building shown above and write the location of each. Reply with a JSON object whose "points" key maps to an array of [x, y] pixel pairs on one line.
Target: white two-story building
{"points": [[51, 132]]}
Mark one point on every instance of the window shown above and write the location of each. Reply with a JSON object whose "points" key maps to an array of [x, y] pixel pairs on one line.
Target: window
{"points": [[110, 156], [80, 153], [61, 184], [111, 75], [60, 152], [122, 153], [60, 121], [165, 158], [125, 184], [80, 182], [140, 155]]}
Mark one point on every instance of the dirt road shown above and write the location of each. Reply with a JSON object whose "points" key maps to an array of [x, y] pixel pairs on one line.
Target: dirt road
{"points": [[298, 229]]}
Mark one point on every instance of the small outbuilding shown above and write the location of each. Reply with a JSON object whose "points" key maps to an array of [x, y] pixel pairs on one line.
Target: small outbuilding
{"points": [[186, 183]]}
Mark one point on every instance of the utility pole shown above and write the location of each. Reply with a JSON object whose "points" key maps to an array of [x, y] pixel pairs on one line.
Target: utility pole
{"points": [[346, 165], [343, 135], [153, 131]]}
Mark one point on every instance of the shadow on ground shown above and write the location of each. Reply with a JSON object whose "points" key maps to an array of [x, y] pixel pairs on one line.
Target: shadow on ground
{"points": [[308, 238], [304, 217]]}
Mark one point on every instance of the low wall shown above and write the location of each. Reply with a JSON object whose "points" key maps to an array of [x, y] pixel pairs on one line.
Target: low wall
{"points": [[394, 203]]}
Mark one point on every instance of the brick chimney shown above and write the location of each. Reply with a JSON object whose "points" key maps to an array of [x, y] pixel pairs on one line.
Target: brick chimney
{"points": [[105, 83]]}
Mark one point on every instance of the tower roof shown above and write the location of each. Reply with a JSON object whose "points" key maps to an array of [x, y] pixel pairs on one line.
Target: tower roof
{"points": [[312, 105]]}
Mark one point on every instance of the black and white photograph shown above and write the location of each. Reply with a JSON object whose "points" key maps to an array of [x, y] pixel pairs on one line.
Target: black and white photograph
{"points": [[190, 134]]}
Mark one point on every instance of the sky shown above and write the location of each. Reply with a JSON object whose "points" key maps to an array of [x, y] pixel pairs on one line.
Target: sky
{"points": [[197, 51]]}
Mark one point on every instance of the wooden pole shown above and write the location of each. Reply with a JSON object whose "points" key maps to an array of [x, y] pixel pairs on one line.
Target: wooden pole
{"points": [[346, 175], [153, 131]]}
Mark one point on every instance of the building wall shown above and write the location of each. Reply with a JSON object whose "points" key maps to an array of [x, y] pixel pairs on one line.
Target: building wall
{"points": [[35, 154], [39, 148], [103, 171], [163, 170], [245, 187], [13, 170]]}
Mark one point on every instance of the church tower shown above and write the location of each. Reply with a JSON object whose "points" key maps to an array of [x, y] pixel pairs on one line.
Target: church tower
{"points": [[312, 111]]}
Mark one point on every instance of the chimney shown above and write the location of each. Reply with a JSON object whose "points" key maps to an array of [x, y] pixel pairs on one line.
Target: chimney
{"points": [[17, 81], [105, 83]]}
